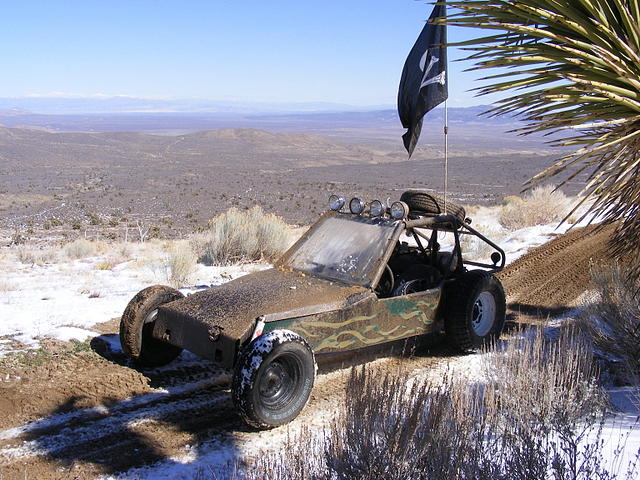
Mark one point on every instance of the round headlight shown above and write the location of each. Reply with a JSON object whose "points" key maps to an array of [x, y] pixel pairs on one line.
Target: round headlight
{"points": [[399, 210], [356, 205], [377, 208], [336, 202]]}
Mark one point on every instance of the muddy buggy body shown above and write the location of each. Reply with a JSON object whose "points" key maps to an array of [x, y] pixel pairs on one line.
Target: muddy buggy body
{"points": [[359, 277]]}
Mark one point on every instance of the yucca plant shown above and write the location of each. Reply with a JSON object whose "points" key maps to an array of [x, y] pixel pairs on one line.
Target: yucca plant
{"points": [[573, 70]]}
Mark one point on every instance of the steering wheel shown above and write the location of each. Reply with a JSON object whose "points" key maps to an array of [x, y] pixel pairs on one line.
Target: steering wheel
{"points": [[386, 282]]}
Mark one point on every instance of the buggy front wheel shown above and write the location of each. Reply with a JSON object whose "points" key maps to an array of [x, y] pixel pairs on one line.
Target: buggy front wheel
{"points": [[273, 379]]}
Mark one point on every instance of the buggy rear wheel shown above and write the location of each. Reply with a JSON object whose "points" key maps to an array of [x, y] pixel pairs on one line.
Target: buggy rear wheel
{"points": [[474, 310], [136, 327], [273, 379]]}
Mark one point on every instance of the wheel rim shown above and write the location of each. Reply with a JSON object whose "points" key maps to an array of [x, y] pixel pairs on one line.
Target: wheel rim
{"points": [[484, 314], [151, 316], [279, 381]]}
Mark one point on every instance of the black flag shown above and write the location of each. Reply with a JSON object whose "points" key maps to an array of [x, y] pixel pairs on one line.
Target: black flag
{"points": [[424, 81]]}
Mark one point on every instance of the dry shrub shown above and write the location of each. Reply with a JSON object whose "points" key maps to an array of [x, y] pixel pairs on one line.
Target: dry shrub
{"points": [[115, 256], [540, 387], [80, 248], [124, 251], [7, 286], [181, 264], [546, 408], [5, 289], [237, 236], [612, 320], [540, 206], [386, 429], [116, 253], [35, 255], [394, 431], [168, 262], [538, 415]]}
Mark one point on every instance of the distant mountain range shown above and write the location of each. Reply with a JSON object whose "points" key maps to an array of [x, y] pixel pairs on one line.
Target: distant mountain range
{"points": [[119, 104], [470, 132], [232, 148], [320, 121]]}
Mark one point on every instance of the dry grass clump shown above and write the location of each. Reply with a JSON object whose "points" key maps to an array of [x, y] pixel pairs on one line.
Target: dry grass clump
{"points": [[181, 264], [5, 289], [540, 206], [124, 251], [612, 320], [7, 286], [106, 265], [30, 255], [538, 415], [170, 262], [542, 384], [237, 236], [80, 248]]}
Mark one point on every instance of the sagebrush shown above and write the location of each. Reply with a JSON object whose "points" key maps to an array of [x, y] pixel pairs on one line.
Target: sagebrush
{"points": [[540, 206], [242, 236], [80, 248], [33, 255], [181, 264], [612, 320]]}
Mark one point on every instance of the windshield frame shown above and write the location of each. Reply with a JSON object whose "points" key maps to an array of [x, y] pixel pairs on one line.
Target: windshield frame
{"points": [[370, 280]]}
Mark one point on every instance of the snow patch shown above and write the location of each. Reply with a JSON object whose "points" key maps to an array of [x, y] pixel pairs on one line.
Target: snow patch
{"points": [[66, 334], [66, 300]]}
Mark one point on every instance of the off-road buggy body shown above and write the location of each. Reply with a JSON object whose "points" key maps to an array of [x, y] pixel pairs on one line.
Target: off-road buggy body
{"points": [[348, 283]]}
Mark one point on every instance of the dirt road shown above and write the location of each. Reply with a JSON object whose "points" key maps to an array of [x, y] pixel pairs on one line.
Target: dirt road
{"points": [[553, 276], [89, 414]]}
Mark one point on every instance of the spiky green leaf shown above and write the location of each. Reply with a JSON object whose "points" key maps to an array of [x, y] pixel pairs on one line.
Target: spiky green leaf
{"points": [[575, 71]]}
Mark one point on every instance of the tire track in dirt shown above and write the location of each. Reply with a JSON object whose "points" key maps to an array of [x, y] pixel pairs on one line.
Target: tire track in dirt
{"points": [[191, 399], [157, 427], [552, 277]]}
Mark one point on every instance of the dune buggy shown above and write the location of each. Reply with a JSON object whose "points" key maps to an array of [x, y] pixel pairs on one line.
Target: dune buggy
{"points": [[362, 275]]}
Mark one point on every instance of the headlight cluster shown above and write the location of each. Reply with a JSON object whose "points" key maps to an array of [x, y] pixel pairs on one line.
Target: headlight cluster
{"points": [[377, 208]]}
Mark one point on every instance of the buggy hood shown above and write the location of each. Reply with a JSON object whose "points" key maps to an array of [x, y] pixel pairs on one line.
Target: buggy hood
{"points": [[275, 293]]}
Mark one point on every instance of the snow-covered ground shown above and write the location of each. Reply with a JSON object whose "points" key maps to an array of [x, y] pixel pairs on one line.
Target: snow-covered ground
{"points": [[66, 299]]}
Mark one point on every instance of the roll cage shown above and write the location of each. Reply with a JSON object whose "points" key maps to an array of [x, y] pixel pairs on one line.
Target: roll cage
{"points": [[451, 265]]}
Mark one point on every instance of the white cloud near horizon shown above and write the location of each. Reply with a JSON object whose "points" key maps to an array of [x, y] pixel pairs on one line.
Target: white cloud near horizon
{"points": [[91, 96]]}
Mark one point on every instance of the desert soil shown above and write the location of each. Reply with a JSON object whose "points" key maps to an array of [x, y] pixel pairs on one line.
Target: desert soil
{"points": [[92, 414], [112, 185]]}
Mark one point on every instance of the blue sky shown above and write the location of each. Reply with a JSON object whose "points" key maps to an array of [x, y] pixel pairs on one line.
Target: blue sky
{"points": [[349, 51]]}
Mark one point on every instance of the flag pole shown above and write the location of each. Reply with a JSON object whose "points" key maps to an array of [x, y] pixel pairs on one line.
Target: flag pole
{"points": [[446, 154]]}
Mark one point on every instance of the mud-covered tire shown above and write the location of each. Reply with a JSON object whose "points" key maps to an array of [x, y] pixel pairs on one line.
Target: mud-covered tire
{"points": [[137, 324], [273, 379], [474, 310], [431, 203]]}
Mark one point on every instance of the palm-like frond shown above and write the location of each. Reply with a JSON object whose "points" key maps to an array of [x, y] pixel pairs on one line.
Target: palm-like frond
{"points": [[573, 68]]}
